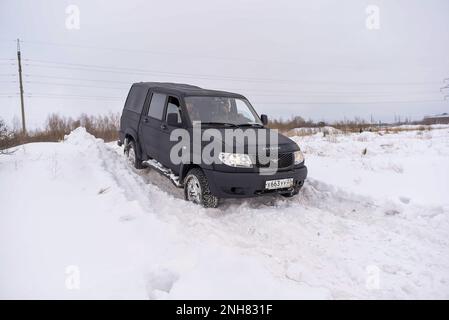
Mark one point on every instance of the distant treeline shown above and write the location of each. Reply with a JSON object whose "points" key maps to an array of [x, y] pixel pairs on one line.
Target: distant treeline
{"points": [[57, 126], [354, 125], [106, 127]]}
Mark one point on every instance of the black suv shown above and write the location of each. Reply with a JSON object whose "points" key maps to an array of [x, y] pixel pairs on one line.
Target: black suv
{"points": [[155, 117]]}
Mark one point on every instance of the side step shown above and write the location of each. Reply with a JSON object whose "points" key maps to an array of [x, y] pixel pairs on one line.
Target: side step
{"points": [[164, 171]]}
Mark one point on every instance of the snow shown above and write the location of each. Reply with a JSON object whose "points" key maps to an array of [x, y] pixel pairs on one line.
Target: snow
{"points": [[411, 164], [365, 226], [313, 130], [163, 170]]}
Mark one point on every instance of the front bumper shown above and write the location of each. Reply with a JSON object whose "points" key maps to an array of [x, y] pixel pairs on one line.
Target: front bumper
{"points": [[249, 184]]}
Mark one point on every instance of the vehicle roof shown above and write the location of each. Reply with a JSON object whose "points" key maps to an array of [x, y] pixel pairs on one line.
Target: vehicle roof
{"points": [[184, 90]]}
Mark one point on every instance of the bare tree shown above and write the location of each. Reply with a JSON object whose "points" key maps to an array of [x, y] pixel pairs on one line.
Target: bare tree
{"points": [[6, 139]]}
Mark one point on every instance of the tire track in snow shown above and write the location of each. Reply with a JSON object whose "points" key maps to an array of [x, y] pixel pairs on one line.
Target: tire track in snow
{"points": [[316, 232]]}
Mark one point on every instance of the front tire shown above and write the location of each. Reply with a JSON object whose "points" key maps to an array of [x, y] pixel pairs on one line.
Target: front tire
{"points": [[132, 155], [196, 189]]}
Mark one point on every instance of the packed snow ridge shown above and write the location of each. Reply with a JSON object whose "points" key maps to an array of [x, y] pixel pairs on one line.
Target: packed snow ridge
{"points": [[76, 221]]}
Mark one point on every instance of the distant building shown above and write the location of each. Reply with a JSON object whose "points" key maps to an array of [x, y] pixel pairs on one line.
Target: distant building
{"points": [[437, 119]]}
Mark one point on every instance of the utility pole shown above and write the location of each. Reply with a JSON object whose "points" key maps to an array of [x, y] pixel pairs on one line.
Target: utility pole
{"points": [[22, 106]]}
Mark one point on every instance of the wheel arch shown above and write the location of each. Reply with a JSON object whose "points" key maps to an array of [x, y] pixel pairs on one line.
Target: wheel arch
{"points": [[185, 168], [131, 134]]}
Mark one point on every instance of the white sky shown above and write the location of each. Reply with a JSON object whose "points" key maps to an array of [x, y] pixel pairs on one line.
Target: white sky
{"points": [[310, 58]]}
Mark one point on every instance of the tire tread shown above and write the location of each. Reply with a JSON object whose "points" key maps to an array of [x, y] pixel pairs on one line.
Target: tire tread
{"points": [[207, 200]]}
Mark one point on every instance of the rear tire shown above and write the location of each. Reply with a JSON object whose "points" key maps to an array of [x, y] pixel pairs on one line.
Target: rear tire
{"points": [[132, 155], [196, 189]]}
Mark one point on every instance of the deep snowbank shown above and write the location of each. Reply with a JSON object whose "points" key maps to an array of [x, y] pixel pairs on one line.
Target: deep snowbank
{"points": [[410, 165], [350, 234]]}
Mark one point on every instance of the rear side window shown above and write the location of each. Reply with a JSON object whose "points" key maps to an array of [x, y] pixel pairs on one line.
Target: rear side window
{"points": [[157, 105], [136, 99]]}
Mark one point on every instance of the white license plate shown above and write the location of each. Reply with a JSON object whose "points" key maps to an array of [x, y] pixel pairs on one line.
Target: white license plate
{"points": [[279, 184]]}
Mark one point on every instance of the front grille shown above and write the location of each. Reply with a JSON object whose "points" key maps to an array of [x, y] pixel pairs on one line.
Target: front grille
{"points": [[283, 160]]}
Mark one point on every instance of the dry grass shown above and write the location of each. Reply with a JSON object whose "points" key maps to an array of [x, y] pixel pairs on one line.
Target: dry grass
{"points": [[292, 123], [106, 127], [56, 127], [345, 127], [348, 126], [299, 133]]}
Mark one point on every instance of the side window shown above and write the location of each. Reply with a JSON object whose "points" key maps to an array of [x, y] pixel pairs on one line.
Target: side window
{"points": [[173, 107], [136, 99], [157, 105]]}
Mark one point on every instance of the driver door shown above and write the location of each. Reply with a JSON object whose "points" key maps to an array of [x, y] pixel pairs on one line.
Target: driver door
{"points": [[173, 106]]}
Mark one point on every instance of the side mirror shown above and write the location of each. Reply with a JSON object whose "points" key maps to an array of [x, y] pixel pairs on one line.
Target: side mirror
{"points": [[172, 119], [264, 119]]}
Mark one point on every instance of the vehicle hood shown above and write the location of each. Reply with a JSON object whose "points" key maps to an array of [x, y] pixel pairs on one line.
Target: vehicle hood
{"points": [[280, 142]]}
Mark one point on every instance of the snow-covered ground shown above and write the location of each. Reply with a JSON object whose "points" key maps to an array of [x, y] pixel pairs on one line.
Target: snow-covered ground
{"points": [[77, 222]]}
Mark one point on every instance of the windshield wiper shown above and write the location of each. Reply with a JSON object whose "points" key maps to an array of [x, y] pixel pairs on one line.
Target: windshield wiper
{"points": [[250, 125], [228, 124]]}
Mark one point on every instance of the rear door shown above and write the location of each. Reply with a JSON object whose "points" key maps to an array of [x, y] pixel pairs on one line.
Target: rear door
{"points": [[151, 122], [173, 106], [133, 108]]}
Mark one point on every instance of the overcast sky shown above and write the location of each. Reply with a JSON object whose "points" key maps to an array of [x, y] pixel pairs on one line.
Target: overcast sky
{"points": [[316, 59]]}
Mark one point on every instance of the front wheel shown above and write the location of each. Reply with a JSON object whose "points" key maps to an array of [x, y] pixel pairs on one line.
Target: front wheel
{"points": [[196, 189]]}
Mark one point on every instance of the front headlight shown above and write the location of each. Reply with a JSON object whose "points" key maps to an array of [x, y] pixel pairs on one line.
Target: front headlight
{"points": [[235, 159], [299, 157]]}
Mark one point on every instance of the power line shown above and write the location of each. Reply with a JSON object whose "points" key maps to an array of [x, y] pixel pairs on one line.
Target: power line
{"points": [[71, 96], [143, 51], [76, 79], [64, 96], [127, 70], [343, 94], [250, 92], [182, 54], [165, 53], [227, 88], [74, 85], [318, 92], [262, 102], [299, 95], [349, 102]]}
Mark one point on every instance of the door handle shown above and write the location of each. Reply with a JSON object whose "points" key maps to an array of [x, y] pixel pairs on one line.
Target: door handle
{"points": [[145, 120], [163, 126]]}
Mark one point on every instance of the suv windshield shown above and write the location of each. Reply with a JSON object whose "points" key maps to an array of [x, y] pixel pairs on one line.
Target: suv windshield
{"points": [[221, 110]]}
